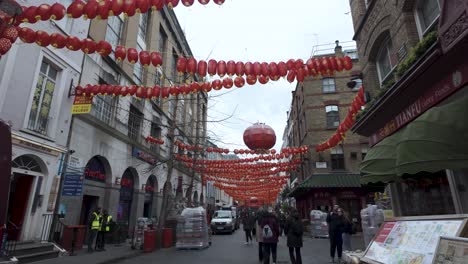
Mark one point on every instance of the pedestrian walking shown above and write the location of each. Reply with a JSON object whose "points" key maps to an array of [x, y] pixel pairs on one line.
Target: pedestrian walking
{"points": [[270, 233], [347, 232], [248, 223], [93, 228], [336, 223], [259, 234], [294, 230], [282, 223]]}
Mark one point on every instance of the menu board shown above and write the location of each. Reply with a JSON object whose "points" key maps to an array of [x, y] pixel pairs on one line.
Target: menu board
{"points": [[412, 242], [452, 250]]}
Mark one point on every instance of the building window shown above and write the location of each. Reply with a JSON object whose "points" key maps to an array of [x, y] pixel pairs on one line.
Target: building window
{"points": [[135, 121], [143, 26], [363, 151], [427, 13], [103, 108], [138, 68], [114, 30], [384, 61], [174, 67], [156, 133], [333, 116], [328, 85], [337, 158], [42, 100]]}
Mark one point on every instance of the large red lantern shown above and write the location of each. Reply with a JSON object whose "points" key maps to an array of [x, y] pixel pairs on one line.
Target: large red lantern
{"points": [[90, 9], [88, 46], [217, 85], [240, 68], [43, 12], [248, 67], [192, 65], [231, 68], [181, 65], [73, 43], [57, 11], [120, 53], [291, 76], [42, 38], [116, 8], [257, 68], [251, 79], [5, 46], [156, 91], [228, 83], [129, 7], [104, 48], [103, 9], [239, 82], [29, 15], [75, 10], [263, 79], [202, 68], [204, 2], [282, 69], [347, 63], [10, 33], [188, 2], [58, 40], [259, 137], [27, 35], [142, 6], [157, 4], [172, 3]]}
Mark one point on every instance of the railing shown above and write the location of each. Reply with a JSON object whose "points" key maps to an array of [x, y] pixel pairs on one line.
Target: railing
{"points": [[47, 220], [9, 238], [40, 125], [52, 228]]}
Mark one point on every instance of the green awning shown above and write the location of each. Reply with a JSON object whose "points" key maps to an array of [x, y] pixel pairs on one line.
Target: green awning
{"points": [[435, 141], [336, 180]]}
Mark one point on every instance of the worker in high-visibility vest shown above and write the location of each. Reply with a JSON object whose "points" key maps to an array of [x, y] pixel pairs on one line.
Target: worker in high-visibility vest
{"points": [[104, 228], [94, 225]]}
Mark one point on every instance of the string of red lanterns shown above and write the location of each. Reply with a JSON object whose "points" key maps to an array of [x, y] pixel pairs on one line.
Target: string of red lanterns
{"points": [[100, 9], [340, 134], [153, 140]]}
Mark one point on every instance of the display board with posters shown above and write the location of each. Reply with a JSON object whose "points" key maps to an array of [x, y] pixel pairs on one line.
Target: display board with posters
{"points": [[452, 250], [412, 240]]}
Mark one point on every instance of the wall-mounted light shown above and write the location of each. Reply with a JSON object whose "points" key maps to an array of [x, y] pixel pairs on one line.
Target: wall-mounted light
{"points": [[117, 180]]}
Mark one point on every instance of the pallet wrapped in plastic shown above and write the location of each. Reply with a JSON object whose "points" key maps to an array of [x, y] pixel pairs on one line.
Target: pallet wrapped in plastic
{"points": [[371, 219], [318, 224], [192, 229]]}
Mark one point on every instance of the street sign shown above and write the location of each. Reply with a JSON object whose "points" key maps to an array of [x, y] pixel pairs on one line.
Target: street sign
{"points": [[82, 104], [73, 184]]}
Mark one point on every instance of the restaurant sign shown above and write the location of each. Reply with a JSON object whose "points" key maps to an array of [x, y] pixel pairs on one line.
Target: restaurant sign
{"points": [[434, 95], [140, 154]]}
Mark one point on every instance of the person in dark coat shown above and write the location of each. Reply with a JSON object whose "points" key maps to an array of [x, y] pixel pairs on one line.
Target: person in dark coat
{"points": [[336, 224], [248, 223], [294, 230], [270, 232]]}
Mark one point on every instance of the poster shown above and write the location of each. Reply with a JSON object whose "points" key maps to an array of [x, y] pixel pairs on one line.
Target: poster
{"points": [[82, 104], [412, 242], [452, 250]]}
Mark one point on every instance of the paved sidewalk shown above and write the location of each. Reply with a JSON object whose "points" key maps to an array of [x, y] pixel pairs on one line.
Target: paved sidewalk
{"points": [[111, 255]]}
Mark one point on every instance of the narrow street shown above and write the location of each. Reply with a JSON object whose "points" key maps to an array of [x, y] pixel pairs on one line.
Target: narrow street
{"points": [[228, 249]]}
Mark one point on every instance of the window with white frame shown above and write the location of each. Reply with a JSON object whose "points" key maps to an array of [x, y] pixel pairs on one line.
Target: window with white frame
{"points": [[65, 23], [333, 116], [427, 12], [337, 158], [42, 99], [114, 30], [328, 85], [104, 108], [384, 61]]}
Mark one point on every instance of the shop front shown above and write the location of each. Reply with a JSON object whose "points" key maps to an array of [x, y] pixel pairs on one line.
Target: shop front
{"points": [[418, 131], [150, 205], [127, 184]]}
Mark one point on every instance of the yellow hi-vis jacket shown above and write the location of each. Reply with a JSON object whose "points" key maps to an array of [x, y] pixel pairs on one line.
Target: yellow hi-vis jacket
{"points": [[96, 224], [109, 219]]}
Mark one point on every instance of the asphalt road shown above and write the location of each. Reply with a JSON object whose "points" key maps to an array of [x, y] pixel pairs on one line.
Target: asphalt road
{"points": [[227, 249]]}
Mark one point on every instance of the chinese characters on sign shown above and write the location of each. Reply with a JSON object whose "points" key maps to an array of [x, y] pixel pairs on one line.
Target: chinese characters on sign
{"points": [[82, 104]]}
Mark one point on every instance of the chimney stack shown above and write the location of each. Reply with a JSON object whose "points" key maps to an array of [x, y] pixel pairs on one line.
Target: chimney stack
{"points": [[338, 49]]}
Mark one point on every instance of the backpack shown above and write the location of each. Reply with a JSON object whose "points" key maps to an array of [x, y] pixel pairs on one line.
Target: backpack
{"points": [[267, 232]]}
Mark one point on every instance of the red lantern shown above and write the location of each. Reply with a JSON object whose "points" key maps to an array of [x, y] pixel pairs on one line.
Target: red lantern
{"points": [[165, 92], [172, 3], [73, 43], [192, 66], [27, 35], [217, 85], [188, 2], [75, 10], [10, 33], [42, 38], [347, 63], [43, 12], [156, 59], [249, 69], [132, 90], [195, 87], [142, 6], [124, 91], [263, 79], [228, 83], [141, 92], [218, 2], [239, 68], [58, 40], [202, 67], [156, 91], [95, 89], [206, 87], [239, 82], [339, 64], [300, 75], [102, 89], [5, 45], [265, 69], [120, 53], [273, 67], [221, 69], [104, 48], [129, 7], [291, 64], [116, 8], [117, 89], [157, 4], [88, 46], [132, 55], [29, 15], [181, 65], [90, 9], [291, 76], [251, 79], [231, 68], [204, 2], [174, 91], [103, 9], [282, 69], [145, 58], [57, 11], [212, 65], [257, 68], [259, 136]]}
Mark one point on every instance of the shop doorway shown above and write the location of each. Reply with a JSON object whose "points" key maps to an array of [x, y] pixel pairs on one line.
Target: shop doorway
{"points": [[150, 188], [127, 185], [89, 204], [20, 189]]}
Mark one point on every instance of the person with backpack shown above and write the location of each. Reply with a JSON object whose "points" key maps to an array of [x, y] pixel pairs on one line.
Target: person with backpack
{"points": [[270, 233], [294, 230]]}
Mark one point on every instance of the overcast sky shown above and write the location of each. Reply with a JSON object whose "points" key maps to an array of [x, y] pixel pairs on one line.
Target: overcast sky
{"points": [[260, 30]]}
